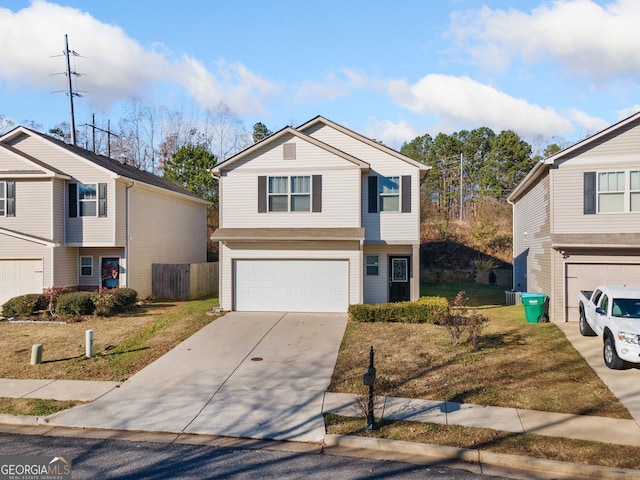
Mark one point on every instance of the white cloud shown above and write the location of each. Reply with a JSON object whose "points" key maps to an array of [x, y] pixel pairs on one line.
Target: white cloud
{"points": [[391, 134], [597, 40], [335, 85], [588, 123], [116, 66], [461, 100], [627, 112]]}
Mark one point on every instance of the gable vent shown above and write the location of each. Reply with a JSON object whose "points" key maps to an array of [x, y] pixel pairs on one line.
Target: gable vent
{"points": [[289, 151]]}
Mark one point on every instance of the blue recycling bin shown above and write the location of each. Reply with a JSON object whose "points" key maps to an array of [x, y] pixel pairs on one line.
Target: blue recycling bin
{"points": [[534, 307]]}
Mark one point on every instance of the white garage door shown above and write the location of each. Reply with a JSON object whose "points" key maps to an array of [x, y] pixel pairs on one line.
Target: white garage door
{"points": [[587, 276], [18, 277], [291, 285]]}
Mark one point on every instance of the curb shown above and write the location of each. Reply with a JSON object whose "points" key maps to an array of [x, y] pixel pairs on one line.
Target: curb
{"points": [[476, 461], [29, 420]]}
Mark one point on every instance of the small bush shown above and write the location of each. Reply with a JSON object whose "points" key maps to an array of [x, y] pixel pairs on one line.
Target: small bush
{"points": [[105, 304], [52, 294], [75, 303], [460, 320], [126, 298], [23, 306], [424, 310]]}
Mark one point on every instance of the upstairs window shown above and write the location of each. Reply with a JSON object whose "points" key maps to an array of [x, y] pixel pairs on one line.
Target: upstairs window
{"points": [[7, 199], [389, 191], [295, 193], [612, 192], [87, 199], [389, 194]]}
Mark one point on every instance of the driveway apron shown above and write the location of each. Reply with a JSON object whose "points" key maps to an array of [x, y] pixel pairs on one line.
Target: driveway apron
{"points": [[247, 374]]}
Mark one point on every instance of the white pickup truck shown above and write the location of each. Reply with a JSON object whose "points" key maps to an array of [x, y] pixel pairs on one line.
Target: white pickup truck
{"points": [[613, 313]]}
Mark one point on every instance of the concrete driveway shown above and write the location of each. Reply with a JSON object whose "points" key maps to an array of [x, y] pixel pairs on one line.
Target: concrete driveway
{"points": [[253, 375]]}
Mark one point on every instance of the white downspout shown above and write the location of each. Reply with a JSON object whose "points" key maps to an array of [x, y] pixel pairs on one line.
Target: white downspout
{"points": [[126, 229]]}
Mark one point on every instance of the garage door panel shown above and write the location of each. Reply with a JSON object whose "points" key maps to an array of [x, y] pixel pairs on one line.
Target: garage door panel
{"points": [[291, 285], [19, 277], [587, 276]]}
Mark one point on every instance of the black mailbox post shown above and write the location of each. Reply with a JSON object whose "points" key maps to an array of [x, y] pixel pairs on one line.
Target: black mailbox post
{"points": [[369, 380]]}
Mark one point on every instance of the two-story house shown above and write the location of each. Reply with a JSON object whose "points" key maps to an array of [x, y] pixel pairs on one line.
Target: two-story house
{"points": [[69, 217], [316, 218], [576, 219]]}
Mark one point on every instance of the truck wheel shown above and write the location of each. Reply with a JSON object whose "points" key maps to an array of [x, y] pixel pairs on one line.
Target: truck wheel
{"points": [[585, 329], [611, 358]]}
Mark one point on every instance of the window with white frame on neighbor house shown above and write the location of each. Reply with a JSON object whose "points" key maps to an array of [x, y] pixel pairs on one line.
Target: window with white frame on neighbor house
{"points": [[389, 191], [289, 193], [86, 266], [618, 192], [372, 264], [3, 198], [88, 199]]}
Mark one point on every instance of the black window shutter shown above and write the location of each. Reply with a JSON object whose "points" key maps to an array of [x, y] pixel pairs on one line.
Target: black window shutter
{"points": [[589, 192], [373, 194], [102, 199], [11, 199], [406, 194], [316, 201], [73, 200], [262, 194]]}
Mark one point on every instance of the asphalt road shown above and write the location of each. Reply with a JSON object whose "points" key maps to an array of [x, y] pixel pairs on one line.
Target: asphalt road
{"points": [[113, 459]]}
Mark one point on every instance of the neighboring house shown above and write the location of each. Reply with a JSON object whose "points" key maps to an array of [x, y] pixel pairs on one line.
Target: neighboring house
{"points": [[316, 218], [576, 219], [69, 217]]}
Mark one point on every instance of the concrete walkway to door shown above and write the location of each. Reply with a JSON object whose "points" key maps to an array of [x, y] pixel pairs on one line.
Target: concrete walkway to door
{"points": [[253, 375]]}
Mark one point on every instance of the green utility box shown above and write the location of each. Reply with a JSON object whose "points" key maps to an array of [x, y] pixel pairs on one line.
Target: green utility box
{"points": [[534, 307]]}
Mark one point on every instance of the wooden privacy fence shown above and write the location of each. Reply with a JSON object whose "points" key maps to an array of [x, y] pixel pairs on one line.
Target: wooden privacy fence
{"points": [[184, 281]]}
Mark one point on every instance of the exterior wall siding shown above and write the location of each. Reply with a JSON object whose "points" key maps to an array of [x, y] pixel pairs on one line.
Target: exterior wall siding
{"points": [[532, 240], [33, 209], [295, 250], [97, 254], [162, 229], [340, 200], [65, 267], [568, 192]]}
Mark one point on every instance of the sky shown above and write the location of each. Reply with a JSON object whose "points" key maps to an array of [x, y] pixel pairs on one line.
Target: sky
{"points": [[391, 70]]}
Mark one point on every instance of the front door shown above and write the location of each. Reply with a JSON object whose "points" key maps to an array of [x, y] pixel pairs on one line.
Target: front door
{"points": [[399, 290], [110, 272]]}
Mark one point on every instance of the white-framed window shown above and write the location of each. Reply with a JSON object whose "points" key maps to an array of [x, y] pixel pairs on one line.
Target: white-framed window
{"points": [[634, 191], [618, 192], [611, 189], [88, 199], [372, 265], [289, 194], [3, 199], [389, 193], [86, 266]]}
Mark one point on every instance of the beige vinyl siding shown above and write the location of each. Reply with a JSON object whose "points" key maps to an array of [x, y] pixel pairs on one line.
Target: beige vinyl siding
{"points": [[376, 288], [33, 209], [11, 161], [295, 250], [17, 248], [386, 227], [93, 231], [58, 209], [65, 266], [568, 192], [532, 241], [162, 229], [340, 196], [120, 207]]}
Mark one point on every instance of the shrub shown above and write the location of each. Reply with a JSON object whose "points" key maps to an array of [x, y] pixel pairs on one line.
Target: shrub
{"points": [[459, 320], [424, 310], [23, 306], [105, 304], [75, 303], [52, 294], [126, 298]]}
